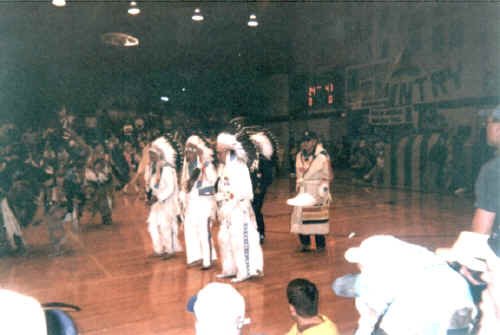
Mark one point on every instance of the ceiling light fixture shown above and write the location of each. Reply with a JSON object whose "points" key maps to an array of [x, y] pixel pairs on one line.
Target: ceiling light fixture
{"points": [[59, 3], [120, 39], [252, 22], [197, 16], [164, 98], [133, 9]]}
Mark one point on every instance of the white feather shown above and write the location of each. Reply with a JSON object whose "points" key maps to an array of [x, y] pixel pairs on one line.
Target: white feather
{"points": [[263, 144], [230, 141]]}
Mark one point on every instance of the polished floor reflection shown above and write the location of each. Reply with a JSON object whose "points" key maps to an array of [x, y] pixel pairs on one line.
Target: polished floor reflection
{"points": [[108, 270]]}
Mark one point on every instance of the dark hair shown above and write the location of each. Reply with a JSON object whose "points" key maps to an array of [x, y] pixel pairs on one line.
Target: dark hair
{"points": [[303, 296]]}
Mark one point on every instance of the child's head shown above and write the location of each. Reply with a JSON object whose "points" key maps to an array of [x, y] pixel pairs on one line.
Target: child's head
{"points": [[302, 297]]}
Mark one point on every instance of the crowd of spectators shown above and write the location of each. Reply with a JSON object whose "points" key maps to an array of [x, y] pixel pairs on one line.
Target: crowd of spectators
{"points": [[75, 163], [363, 157], [401, 287]]}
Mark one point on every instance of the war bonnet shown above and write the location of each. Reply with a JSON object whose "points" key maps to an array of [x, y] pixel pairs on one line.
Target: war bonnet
{"points": [[162, 147], [231, 142], [198, 142], [263, 143]]}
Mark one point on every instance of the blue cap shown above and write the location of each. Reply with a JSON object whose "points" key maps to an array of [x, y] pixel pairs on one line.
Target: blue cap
{"points": [[346, 286], [191, 302]]}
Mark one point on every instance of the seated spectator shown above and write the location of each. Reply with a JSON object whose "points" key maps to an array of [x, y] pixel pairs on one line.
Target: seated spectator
{"points": [[481, 266], [406, 289], [361, 160], [490, 304], [219, 310], [303, 299]]}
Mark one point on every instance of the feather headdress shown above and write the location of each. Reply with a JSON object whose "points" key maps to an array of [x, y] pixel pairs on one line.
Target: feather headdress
{"points": [[254, 140], [164, 149], [238, 122], [174, 141], [263, 144], [201, 144], [231, 142], [266, 143], [207, 155]]}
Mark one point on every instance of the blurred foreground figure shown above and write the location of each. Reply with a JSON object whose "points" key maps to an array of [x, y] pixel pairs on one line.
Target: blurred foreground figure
{"points": [[486, 222], [21, 314], [406, 289], [490, 304], [219, 310], [487, 189], [474, 257], [24, 315]]}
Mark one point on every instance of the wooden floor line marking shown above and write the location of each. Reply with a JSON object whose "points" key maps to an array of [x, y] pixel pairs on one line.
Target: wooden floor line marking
{"points": [[100, 266]]}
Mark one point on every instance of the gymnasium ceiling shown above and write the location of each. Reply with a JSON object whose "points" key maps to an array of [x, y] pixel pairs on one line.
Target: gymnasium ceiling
{"points": [[38, 33], [54, 55], [57, 55]]}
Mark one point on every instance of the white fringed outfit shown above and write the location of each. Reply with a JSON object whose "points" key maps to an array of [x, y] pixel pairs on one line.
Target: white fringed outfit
{"points": [[162, 182], [238, 237], [198, 204], [313, 177]]}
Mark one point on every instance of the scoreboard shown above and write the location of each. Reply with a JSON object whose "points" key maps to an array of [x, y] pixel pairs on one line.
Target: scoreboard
{"points": [[320, 94], [318, 91]]}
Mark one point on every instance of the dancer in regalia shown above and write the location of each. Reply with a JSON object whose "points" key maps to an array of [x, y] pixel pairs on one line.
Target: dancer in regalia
{"points": [[238, 236], [161, 177], [261, 173], [198, 203]]}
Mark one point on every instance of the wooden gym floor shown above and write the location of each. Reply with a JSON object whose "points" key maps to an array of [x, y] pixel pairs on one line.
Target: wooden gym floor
{"points": [[108, 270]]}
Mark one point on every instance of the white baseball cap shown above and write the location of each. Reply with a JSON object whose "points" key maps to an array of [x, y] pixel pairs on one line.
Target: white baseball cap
{"points": [[387, 251], [372, 248]]}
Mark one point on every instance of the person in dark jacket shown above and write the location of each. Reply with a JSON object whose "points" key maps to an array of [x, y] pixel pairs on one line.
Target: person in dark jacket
{"points": [[262, 176]]}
